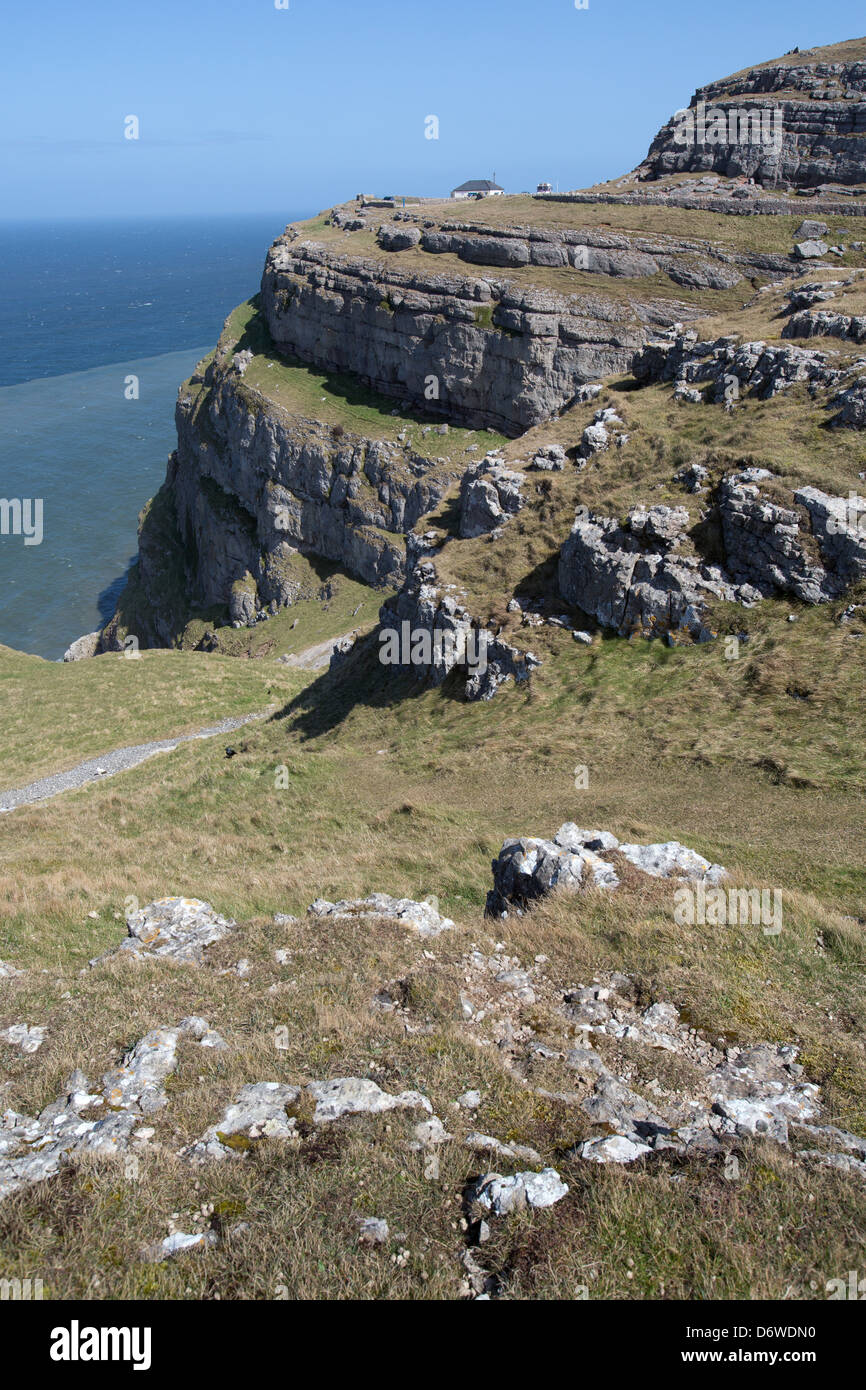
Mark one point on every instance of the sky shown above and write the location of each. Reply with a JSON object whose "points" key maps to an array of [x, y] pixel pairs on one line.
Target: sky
{"points": [[293, 105]]}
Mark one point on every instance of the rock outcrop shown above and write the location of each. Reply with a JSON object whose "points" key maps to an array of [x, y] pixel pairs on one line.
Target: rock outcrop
{"points": [[178, 929], [432, 633], [798, 121], [732, 368], [251, 484], [83, 648], [104, 1121], [486, 353], [631, 579], [489, 495], [249, 487], [574, 860], [806, 324], [422, 917]]}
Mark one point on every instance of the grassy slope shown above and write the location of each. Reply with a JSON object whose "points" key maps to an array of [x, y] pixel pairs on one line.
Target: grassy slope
{"points": [[849, 51], [756, 762], [55, 715], [759, 233], [414, 796], [337, 399]]}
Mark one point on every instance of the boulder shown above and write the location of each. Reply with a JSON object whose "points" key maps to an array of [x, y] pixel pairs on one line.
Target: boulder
{"points": [[839, 524], [665, 525], [693, 477], [501, 1196], [83, 647], [173, 928], [811, 230], [764, 547], [826, 325], [398, 238], [529, 868], [615, 1148], [25, 1036], [810, 250], [550, 458], [489, 495], [672, 860], [853, 403]]}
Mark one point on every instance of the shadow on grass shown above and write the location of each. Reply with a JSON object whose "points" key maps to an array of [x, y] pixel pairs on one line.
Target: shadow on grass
{"points": [[361, 680]]}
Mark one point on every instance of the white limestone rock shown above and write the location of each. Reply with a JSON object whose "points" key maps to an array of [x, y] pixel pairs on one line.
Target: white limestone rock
{"points": [[504, 1195], [175, 929], [672, 860], [354, 1095], [258, 1111], [486, 1143], [422, 917], [25, 1036], [614, 1148]]}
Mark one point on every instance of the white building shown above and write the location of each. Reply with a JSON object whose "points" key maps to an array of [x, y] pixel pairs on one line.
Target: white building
{"points": [[478, 188]]}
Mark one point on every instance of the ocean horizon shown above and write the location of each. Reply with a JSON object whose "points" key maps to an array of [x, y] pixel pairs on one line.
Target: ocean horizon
{"points": [[85, 306]]}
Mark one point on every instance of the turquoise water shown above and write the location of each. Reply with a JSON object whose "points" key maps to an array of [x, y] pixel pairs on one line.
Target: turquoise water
{"points": [[94, 458], [83, 305]]}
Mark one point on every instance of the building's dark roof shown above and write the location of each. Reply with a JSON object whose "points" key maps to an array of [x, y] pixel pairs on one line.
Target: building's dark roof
{"points": [[478, 186]]}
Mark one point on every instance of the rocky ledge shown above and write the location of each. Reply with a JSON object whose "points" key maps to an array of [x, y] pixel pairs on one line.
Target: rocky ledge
{"points": [[820, 108], [486, 352], [632, 577]]}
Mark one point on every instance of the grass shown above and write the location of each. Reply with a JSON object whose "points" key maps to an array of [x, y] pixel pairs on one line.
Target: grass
{"points": [[330, 603], [412, 793], [159, 695], [757, 762], [761, 233], [413, 796], [339, 400]]}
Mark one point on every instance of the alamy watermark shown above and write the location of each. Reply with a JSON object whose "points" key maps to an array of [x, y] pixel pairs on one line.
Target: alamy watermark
{"points": [[21, 1290], [423, 646], [854, 1287], [22, 516], [729, 125], [698, 905]]}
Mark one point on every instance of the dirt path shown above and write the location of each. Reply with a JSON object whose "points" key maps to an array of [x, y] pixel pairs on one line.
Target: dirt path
{"points": [[316, 657], [108, 764]]}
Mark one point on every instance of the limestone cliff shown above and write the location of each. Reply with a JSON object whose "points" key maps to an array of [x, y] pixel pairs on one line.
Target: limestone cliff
{"points": [[252, 484], [818, 99], [346, 405], [483, 352]]}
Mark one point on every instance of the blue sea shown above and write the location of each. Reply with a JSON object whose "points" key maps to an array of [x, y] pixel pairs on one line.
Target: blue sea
{"points": [[84, 306]]}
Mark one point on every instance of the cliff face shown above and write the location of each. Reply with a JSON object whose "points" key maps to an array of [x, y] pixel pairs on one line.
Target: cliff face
{"points": [[483, 352], [252, 484], [341, 409], [817, 106]]}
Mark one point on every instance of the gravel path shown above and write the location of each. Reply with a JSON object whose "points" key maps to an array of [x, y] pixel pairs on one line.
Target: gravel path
{"points": [[316, 657], [110, 763]]}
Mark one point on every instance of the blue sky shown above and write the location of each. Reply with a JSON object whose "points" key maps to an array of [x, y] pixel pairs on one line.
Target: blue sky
{"points": [[243, 106]]}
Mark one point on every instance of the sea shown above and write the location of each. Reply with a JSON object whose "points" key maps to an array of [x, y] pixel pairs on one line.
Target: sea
{"points": [[100, 322]]}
